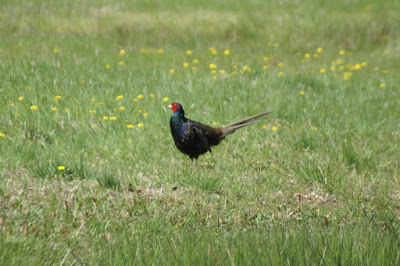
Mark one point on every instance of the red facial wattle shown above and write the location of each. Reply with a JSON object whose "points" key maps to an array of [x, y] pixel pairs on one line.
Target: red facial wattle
{"points": [[174, 107]]}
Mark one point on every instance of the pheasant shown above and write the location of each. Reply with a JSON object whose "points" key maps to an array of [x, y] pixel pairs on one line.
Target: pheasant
{"points": [[194, 138]]}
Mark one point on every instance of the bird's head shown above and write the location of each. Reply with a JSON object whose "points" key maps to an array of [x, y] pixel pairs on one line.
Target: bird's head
{"points": [[177, 109]]}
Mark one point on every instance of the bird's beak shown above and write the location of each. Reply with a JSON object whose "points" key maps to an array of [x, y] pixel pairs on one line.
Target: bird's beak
{"points": [[170, 106]]}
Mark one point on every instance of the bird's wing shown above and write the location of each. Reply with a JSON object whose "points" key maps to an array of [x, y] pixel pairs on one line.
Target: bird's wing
{"points": [[199, 134]]}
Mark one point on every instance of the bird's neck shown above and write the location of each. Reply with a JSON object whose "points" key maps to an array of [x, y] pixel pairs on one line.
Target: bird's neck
{"points": [[178, 115]]}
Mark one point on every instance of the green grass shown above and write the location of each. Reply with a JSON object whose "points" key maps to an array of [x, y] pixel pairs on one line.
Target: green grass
{"points": [[323, 188]]}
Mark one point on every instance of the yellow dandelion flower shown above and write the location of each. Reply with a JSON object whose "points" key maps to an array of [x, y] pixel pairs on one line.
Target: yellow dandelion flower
{"points": [[130, 126], [338, 62], [348, 53], [322, 71], [245, 67], [58, 97], [303, 61], [221, 71], [121, 63], [333, 68], [12, 104], [281, 65], [227, 52], [376, 69], [140, 125], [119, 97], [274, 128], [113, 118], [165, 99], [55, 50], [108, 66], [214, 77], [214, 52], [195, 61], [307, 55], [385, 71], [214, 123], [314, 128], [160, 51], [140, 111], [2, 135], [214, 72], [105, 118], [213, 66], [342, 52], [140, 96], [301, 93], [319, 50], [382, 85], [92, 111], [122, 52], [264, 126], [275, 44], [364, 64], [152, 95], [66, 110], [185, 65], [121, 108], [20, 98], [61, 168], [93, 100], [341, 68], [146, 114], [172, 71], [189, 52], [315, 56], [265, 67], [265, 58], [34, 107], [135, 100], [54, 109], [357, 66], [194, 68], [281, 74]]}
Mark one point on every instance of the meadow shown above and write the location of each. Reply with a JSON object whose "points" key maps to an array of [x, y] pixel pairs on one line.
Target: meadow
{"points": [[89, 173]]}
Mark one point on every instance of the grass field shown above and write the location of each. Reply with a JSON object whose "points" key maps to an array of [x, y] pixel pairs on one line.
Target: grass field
{"points": [[90, 174]]}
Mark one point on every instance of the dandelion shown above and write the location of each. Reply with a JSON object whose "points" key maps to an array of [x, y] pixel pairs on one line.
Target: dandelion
{"points": [[66, 110], [54, 109], [186, 65], [20, 98], [160, 51], [301, 93], [319, 50], [195, 61], [245, 67], [264, 126], [303, 61], [338, 62], [12, 104], [265, 58], [214, 52], [152, 95], [92, 111], [213, 66], [34, 107], [135, 100], [214, 123], [341, 68], [357, 67], [121, 63], [281, 74], [122, 52], [113, 118], [108, 66], [121, 108], [214, 77], [315, 56], [307, 55], [119, 97], [385, 71], [165, 99], [382, 85], [146, 114], [93, 99], [140, 125], [333, 68], [322, 71], [189, 52], [55, 50], [342, 52], [105, 118], [348, 53], [274, 128], [140, 111], [140, 96], [227, 52], [172, 71], [364, 64], [221, 71], [194, 68], [61, 168], [275, 44], [281, 65], [314, 128], [214, 72], [376, 69], [265, 67], [58, 97], [130, 126]]}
